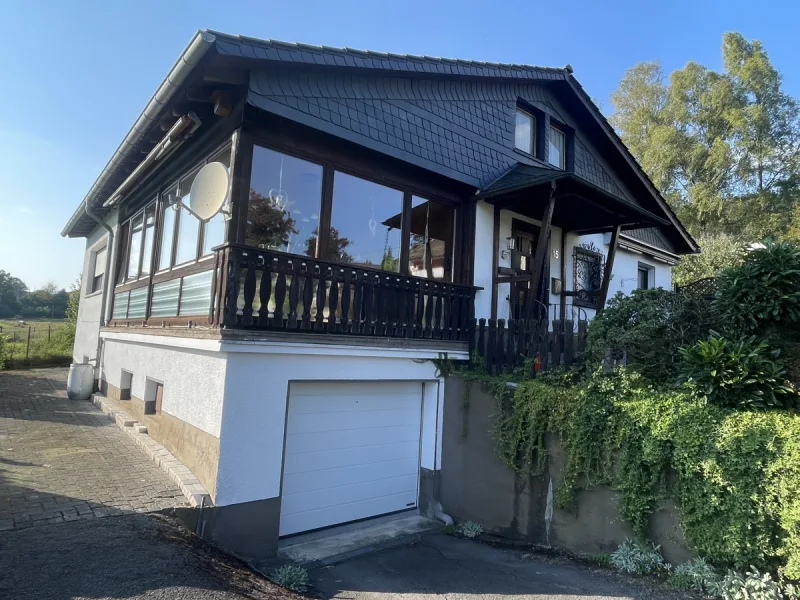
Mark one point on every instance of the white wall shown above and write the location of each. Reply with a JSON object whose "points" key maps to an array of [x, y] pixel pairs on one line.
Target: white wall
{"points": [[623, 277], [256, 394], [193, 378], [90, 310]]}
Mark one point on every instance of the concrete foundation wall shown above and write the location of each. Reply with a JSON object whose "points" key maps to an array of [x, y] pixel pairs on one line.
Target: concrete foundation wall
{"points": [[475, 485]]}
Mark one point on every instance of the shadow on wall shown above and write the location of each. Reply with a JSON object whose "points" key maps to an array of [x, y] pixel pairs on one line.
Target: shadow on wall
{"points": [[477, 486]]}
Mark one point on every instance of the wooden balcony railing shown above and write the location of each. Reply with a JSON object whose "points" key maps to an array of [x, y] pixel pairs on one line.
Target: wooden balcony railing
{"points": [[268, 290]]}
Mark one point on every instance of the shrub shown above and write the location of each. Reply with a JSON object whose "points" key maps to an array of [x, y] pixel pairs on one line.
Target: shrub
{"points": [[638, 559], [647, 328], [290, 577], [696, 575], [751, 586], [738, 374], [469, 529], [720, 252], [763, 291]]}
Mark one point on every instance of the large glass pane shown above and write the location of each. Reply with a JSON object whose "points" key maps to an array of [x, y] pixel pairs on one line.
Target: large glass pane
{"points": [[164, 302], [283, 211], [167, 232], [523, 132], [120, 306], [556, 156], [214, 229], [149, 238], [137, 304], [136, 247], [430, 251], [365, 223], [188, 225], [121, 268], [196, 294]]}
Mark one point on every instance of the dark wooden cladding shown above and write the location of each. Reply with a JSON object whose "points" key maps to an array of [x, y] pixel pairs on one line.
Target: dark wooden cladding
{"points": [[265, 289], [506, 345]]}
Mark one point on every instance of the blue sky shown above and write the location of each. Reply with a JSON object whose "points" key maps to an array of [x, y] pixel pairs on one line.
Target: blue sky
{"points": [[75, 75]]}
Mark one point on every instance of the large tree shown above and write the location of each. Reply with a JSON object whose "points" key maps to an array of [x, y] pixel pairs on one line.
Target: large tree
{"points": [[722, 146]]}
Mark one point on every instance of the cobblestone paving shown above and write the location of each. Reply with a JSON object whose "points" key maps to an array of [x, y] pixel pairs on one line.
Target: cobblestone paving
{"points": [[63, 460]]}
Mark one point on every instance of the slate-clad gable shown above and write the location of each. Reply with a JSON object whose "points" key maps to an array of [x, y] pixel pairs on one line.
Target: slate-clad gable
{"points": [[461, 128]]}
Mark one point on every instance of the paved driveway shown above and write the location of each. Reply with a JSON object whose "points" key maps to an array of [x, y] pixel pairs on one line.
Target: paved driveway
{"points": [[451, 568], [63, 460]]}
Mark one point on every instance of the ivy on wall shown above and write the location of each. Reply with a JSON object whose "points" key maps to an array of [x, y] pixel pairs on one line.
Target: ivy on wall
{"points": [[735, 476]]}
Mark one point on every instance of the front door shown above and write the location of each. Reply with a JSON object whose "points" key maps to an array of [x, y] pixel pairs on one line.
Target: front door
{"points": [[526, 237]]}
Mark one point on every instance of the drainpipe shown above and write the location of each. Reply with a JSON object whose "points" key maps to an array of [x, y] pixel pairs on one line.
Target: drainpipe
{"points": [[106, 277]]}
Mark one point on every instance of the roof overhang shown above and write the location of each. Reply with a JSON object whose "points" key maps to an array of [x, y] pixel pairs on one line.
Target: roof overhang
{"points": [[580, 205]]}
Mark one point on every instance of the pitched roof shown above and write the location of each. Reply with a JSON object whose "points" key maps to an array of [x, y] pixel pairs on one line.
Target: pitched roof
{"points": [[241, 48]]}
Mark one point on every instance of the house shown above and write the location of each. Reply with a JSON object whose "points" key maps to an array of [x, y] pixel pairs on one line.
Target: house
{"points": [[377, 204]]}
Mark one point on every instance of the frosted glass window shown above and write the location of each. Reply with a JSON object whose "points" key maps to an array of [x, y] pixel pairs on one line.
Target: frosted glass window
{"points": [[524, 132], [137, 303], [196, 294], [164, 302], [120, 305], [556, 157]]}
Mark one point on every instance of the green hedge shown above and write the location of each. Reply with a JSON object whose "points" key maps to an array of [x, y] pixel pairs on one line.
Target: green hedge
{"points": [[734, 475]]}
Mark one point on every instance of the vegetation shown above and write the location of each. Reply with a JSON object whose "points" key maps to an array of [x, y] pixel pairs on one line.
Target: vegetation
{"points": [[16, 301], [638, 559], [291, 577], [469, 529]]}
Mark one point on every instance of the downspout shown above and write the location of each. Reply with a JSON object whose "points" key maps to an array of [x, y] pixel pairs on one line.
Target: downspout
{"points": [[104, 316]]}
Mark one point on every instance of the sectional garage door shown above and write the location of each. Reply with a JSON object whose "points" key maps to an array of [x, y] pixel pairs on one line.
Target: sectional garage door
{"points": [[352, 451]]}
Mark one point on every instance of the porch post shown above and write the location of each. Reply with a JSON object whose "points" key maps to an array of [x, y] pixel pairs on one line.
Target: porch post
{"points": [[541, 249], [612, 252], [495, 259], [241, 163]]}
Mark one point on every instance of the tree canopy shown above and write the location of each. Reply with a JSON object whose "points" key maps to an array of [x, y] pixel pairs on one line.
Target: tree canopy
{"points": [[723, 147], [17, 301]]}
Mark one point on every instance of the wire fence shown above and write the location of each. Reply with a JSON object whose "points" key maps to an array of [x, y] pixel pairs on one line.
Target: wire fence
{"points": [[39, 344]]}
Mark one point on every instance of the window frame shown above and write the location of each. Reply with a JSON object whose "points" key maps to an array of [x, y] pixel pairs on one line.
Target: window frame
{"points": [[563, 157], [649, 271], [534, 133], [372, 172], [91, 288], [123, 277]]}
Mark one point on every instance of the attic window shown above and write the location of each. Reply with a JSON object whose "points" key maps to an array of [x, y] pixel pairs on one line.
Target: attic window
{"points": [[525, 132]]}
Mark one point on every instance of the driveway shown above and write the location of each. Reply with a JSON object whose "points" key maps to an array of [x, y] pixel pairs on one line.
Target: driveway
{"points": [[452, 568], [78, 509]]}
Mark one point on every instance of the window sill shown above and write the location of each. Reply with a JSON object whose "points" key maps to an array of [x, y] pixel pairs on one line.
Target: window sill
{"points": [[93, 294]]}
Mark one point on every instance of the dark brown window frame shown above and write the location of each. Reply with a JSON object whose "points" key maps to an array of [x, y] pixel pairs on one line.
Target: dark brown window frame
{"points": [[373, 173]]}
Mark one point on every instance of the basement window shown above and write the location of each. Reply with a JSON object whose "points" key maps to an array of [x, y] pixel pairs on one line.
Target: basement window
{"points": [[125, 380], [153, 395]]}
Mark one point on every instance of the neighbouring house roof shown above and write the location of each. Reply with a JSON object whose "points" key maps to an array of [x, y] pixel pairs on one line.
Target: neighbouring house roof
{"points": [[230, 51]]}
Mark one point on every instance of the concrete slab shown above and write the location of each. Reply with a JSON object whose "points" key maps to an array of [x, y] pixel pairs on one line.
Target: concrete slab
{"points": [[347, 541]]}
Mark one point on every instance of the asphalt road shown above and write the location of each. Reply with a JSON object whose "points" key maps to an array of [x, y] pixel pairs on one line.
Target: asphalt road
{"points": [[131, 556], [441, 566]]}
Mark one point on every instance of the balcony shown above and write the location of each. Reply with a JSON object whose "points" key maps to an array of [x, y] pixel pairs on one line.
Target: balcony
{"points": [[265, 290]]}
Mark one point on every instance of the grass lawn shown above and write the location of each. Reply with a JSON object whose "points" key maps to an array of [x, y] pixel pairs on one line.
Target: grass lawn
{"points": [[48, 343]]}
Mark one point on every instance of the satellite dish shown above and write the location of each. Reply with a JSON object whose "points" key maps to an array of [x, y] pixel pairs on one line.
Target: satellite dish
{"points": [[209, 191]]}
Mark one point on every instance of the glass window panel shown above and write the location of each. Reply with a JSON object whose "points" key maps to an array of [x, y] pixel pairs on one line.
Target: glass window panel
{"points": [[365, 223], [120, 305], [137, 303], [430, 251], [164, 302], [123, 253], [196, 294], [149, 238], [188, 225], [285, 195], [524, 132], [136, 247], [556, 156], [214, 229], [167, 232]]}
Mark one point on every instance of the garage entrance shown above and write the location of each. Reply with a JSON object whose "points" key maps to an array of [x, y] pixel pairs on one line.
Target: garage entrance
{"points": [[352, 452]]}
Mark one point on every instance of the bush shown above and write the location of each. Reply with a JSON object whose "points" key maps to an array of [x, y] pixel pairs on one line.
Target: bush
{"points": [[738, 374], [638, 559], [291, 577], [647, 328], [469, 529], [762, 292], [751, 586], [696, 575]]}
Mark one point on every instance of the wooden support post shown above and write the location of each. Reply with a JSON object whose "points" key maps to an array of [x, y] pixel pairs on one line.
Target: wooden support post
{"points": [[541, 249], [612, 252], [562, 300], [495, 259]]}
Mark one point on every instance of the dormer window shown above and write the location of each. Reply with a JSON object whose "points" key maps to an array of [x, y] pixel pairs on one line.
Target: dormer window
{"points": [[557, 153], [525, 132]]}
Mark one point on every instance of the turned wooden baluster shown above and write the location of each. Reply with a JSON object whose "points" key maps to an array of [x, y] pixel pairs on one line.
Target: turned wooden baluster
{"points": [[232, 293], [280, 294], [319, 324], [333, 302], [265, 291], [249, 291], [358, 302], [308, 294], [345, 325], [294, 293]]}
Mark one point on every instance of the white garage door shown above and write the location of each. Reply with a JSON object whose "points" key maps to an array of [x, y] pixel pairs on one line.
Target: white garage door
{"points": [[352, 451]]}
